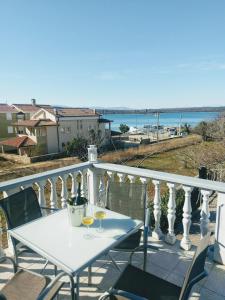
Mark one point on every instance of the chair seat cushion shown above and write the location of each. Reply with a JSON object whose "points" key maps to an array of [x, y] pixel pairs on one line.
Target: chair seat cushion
{"points": [[24, 285], [146, 285]]}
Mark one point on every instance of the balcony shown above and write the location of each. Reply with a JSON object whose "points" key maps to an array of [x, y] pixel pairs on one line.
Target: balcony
{"points": [[174, 256]]}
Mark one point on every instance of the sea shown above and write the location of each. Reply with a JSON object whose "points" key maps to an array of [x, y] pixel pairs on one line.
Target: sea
{"points": [[165, 119]]}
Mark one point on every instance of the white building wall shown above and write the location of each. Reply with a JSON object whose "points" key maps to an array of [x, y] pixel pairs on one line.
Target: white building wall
{"points": [[52, 139], [74, 128]]}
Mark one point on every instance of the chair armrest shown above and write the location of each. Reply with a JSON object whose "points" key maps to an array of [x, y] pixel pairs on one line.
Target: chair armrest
{"points": [[126, 295], [49, 208], [141, 248], [53, 287], [4, 258]]}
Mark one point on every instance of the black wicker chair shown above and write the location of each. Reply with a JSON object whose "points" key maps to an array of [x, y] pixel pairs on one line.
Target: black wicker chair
{"points": [[131, 199], [21, 208], [26, 284], [136, 284]]}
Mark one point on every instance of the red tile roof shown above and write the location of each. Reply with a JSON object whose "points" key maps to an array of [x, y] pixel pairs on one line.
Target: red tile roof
{"points": [[28, 108], [73, 112], [19, 141], [4, 108]]}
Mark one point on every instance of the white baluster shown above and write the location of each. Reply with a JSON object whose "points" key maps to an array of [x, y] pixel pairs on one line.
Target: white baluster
{"points": [[84, 190], [132, 180], [121, 177], [93, 185], [205, 214], [186, 242], [53, 195], [121, 180], [171, 216], [74, 184], [157, 233], [64, 190], [111, 176], [102, 190], [41, 193]]}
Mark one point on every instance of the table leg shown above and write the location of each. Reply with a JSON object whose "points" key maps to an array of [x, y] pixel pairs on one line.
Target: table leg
{"points": [[72, 287], [89, 275], [77, 287]]}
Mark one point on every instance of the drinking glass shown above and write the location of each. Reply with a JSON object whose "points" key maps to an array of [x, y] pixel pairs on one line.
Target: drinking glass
{"points": [[100, 215], [87, 221]]}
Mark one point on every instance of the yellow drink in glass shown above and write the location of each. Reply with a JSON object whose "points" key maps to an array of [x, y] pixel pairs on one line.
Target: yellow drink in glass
{"points": [[87, 221], [100, 215]]}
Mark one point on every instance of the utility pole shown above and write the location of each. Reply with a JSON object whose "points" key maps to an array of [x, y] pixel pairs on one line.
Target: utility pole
{"points": [[180, 124], [157, 114]]}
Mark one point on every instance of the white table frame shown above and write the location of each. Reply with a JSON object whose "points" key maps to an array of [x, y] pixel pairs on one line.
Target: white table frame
{"points": [[23, 234]]}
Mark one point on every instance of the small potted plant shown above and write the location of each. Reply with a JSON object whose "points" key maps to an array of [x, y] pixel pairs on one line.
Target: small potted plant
{"points": [[76, 207]]}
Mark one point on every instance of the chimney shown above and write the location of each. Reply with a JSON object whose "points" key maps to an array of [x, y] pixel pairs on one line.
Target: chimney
{"points": [[33, 102]]}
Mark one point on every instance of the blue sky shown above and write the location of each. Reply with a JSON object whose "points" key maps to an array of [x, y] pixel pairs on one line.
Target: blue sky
{"points": [[142, 53]]}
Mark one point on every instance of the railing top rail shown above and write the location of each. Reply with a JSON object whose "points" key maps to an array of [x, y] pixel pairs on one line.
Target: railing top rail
{"points": [[13, 183], [163, 176]]}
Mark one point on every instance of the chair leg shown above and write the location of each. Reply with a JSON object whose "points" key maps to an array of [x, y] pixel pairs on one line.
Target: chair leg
{"points": [[114, 263], [55, 270], [89, 275], [45, 265]]}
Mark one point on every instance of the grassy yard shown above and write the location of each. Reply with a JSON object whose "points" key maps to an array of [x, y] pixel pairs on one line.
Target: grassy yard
{"points": [[169, 161]]}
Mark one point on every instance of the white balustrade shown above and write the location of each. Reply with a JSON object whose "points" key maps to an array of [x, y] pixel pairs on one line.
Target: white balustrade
{"points": [[93, 187], [186, 242], [171, 215], [204, 220], [157, 233]]}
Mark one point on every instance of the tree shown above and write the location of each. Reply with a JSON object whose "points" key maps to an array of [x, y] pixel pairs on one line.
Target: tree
{"points": [[186, 128], [202, 129], [214, 130], [96, 137], [124, 128], [77, 147]]}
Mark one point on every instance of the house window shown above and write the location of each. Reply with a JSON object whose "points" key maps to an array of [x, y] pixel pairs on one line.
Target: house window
{"points": [[81, 125], [62, 129], [10, 129], [8, 116]]}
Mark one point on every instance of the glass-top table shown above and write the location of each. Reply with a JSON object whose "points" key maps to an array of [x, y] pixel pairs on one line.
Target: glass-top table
{"points": [[67, 247]]}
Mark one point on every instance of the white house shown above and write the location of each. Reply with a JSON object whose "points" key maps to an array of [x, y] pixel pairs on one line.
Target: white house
{"points": [[51, 129]]}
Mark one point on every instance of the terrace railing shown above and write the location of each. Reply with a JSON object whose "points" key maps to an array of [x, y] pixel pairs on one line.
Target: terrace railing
{"points": [[94, 176]]}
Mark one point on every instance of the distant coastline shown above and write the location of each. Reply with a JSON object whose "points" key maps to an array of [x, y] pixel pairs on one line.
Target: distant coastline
{"points": [[160, 110], [173, 119]]}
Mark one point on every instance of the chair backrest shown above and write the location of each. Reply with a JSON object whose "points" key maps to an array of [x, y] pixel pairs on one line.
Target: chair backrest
{"points": [[21, 208], [196, 270], [127, 199]]}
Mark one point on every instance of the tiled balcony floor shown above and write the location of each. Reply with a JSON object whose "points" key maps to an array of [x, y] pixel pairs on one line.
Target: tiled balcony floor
{"points": [[170, 263]]}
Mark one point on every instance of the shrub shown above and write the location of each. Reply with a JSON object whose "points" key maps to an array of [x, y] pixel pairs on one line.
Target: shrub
{"points": [[164, 208]]}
